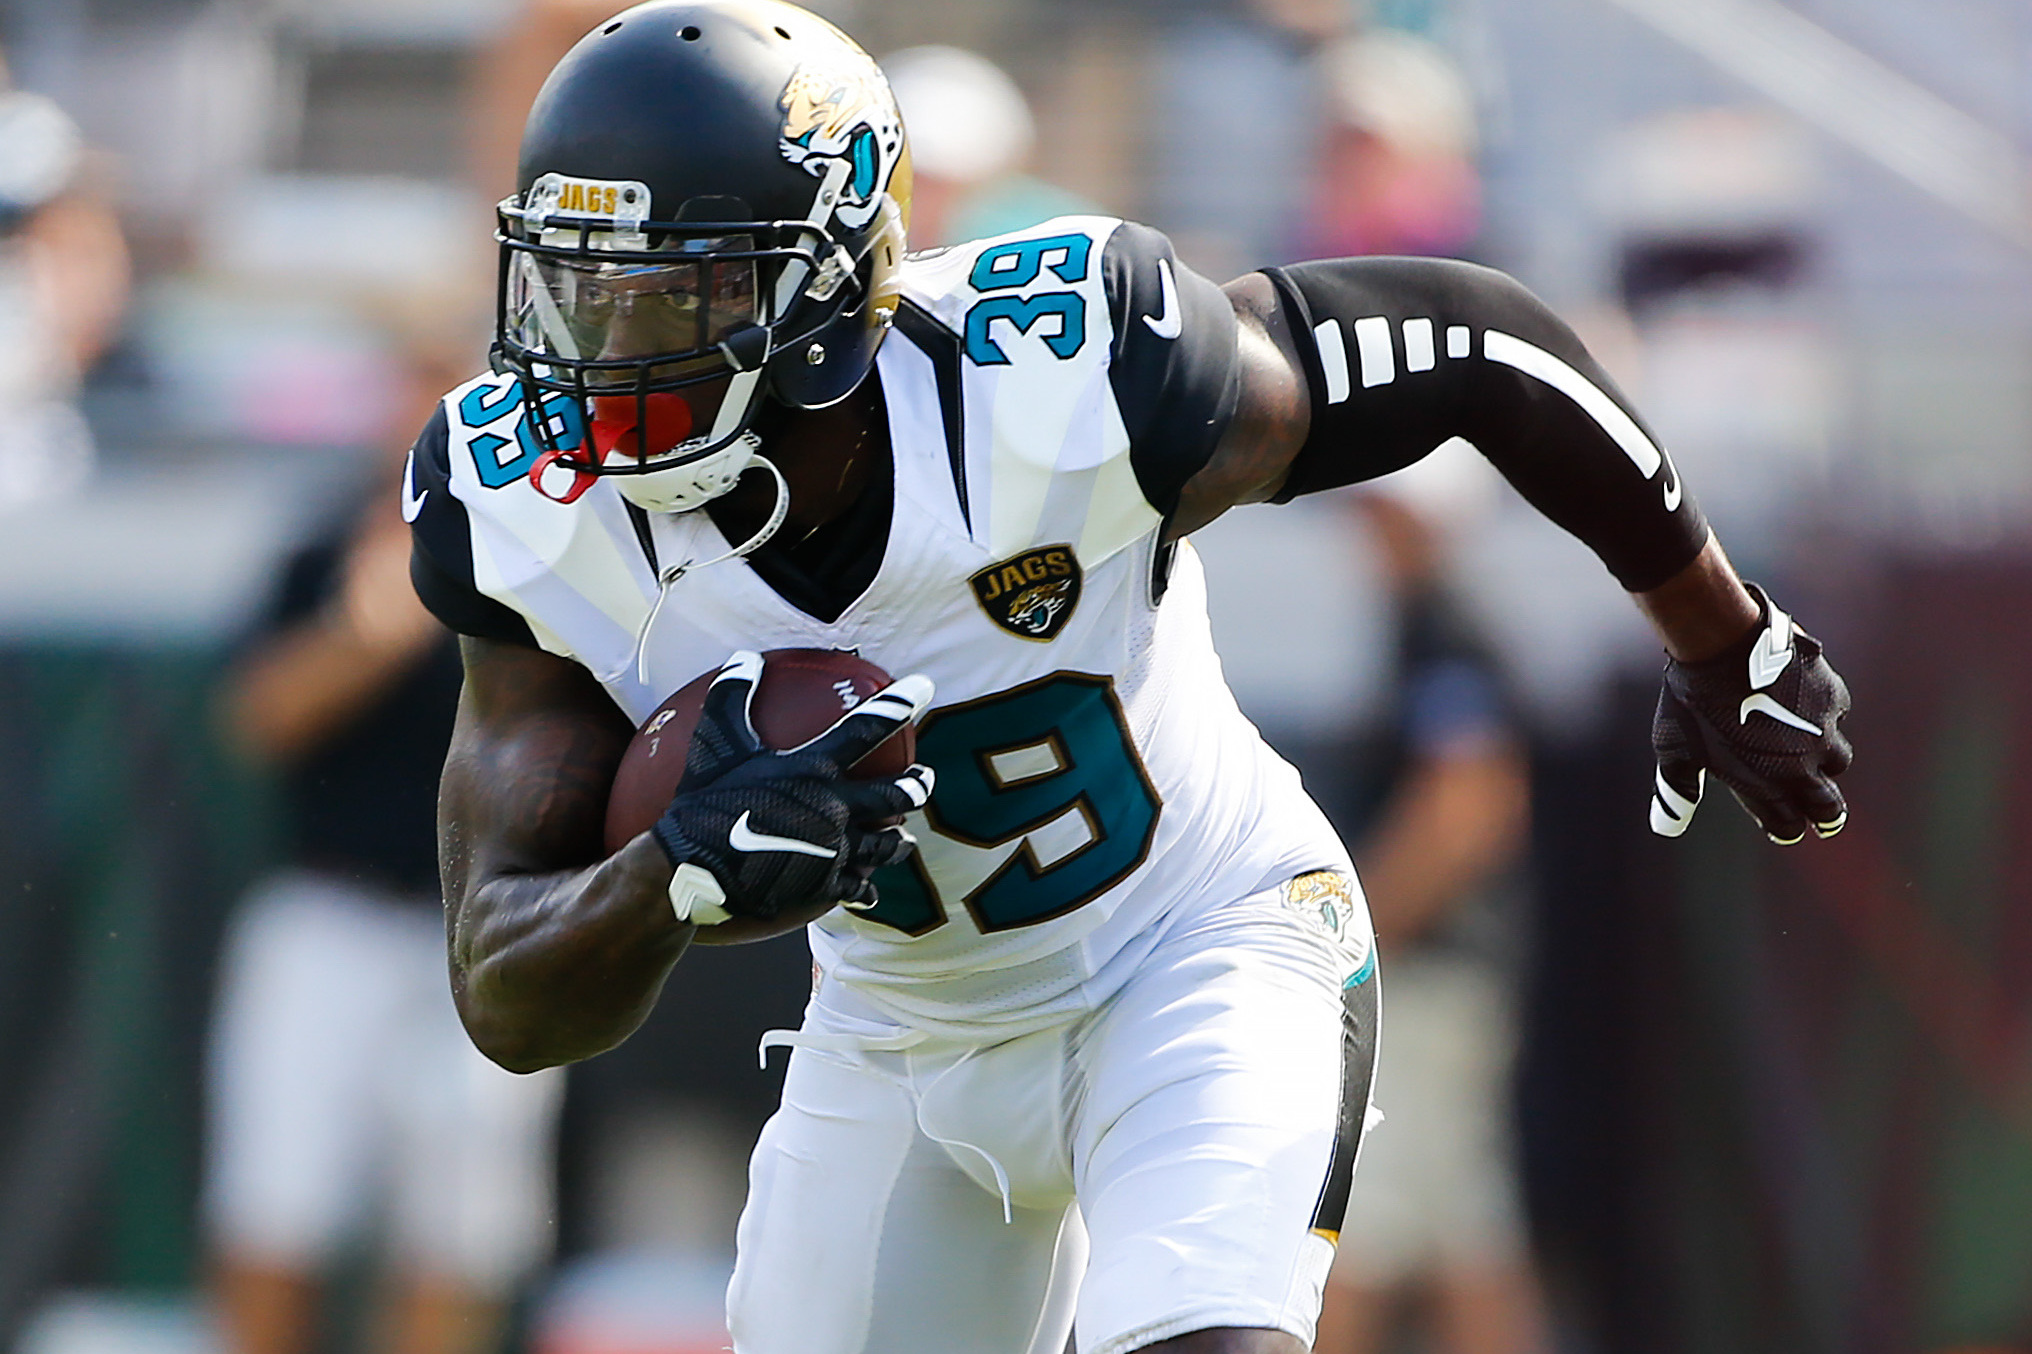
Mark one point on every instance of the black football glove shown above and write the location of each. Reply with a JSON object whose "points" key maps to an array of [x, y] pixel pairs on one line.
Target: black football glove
{"points": [[756, 833], [1764, 717]]}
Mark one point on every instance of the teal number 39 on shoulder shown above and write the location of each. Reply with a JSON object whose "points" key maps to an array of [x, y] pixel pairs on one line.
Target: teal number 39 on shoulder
{"points": [[1008, 268]]}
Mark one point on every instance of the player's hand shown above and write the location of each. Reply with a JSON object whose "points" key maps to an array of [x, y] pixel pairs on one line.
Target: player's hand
{"points": [[1764, 717], [757, 833]]}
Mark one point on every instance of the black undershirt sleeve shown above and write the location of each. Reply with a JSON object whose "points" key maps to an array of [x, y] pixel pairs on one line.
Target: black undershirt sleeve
{"points": [[1402, 354], [441, 546], [1171, 364]]}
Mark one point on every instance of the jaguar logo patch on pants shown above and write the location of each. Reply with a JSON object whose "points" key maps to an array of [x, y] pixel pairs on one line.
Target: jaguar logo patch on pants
{"points": [[1031, 595]]}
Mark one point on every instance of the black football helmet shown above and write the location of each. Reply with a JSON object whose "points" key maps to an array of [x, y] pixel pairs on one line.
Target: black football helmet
{"points": [[709, 190]]}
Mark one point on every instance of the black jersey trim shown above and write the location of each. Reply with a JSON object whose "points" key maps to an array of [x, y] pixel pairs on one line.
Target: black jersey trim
{"points": [[462, 609], [1361, 1009], [833, 567], [1161, 561], [1171, 362], [942, 346], [638, 517]]}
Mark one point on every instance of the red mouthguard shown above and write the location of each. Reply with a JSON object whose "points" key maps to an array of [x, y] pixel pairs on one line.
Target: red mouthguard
{"points": [[615, 432]]}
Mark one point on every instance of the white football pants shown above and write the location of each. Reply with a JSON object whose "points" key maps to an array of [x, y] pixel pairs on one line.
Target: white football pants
{"points": [[917, 1195]]}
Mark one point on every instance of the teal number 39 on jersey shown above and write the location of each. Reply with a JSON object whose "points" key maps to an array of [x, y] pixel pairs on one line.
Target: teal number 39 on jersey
{"points": [[497, 461], [1051, 757], [1058, 317]]}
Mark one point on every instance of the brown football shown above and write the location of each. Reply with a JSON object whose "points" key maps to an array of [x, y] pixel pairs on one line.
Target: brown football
{"points": [[802, 693]]}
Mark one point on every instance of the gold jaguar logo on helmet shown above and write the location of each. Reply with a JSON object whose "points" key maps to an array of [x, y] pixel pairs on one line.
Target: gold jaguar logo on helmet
{"points": [[1031, 595], [840, 111]]}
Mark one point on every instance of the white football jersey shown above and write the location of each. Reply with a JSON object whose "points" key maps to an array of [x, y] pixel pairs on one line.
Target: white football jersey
{"points": [[1047, 393]]}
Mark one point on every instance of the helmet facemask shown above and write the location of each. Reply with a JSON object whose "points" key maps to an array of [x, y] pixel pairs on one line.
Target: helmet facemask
{"points": [[713, 202], [622, 317]]}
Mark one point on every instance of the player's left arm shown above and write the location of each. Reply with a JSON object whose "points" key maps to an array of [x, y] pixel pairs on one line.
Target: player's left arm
{"points": [[1349, 369]]}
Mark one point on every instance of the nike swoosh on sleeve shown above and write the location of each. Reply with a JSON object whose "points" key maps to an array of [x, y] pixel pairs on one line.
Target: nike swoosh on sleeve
{"points": [[744, 838], [412, 501], [1167, 322]]}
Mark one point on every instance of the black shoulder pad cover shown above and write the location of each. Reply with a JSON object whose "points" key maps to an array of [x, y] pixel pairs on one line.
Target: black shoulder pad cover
{"points": [[1172, 363], [1402, 354], [441, 546]]}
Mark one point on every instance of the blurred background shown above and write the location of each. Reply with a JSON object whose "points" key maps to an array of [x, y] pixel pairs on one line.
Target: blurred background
{"points": [[1681, 1097]]}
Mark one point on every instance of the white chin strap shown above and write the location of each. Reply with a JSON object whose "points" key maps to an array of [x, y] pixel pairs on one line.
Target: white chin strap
{"points": [[682, 488], [747, 445], [751, 455], [688, 487], [692, 485]]}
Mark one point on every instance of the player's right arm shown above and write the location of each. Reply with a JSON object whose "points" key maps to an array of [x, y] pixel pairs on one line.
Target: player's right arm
{"points": [[557, 949]]}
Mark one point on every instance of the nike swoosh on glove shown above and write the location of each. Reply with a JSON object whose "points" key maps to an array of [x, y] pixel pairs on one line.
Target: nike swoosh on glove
{"points": [[1765, 718], [756, 833]]}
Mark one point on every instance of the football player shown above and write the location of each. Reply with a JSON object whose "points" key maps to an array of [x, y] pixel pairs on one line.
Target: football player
{"points": [[1090, 1046]]}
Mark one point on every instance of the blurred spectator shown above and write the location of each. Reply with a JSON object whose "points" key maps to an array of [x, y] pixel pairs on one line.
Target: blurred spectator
{"points": [[1717, 261], [63, 285], [970, 135], [1396, 170], [188, 95], [345, 1095], [1439, 821], [1229, 147]]}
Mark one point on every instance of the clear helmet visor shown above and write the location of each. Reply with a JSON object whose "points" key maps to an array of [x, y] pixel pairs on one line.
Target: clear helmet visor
{"points": [[632, 308]]}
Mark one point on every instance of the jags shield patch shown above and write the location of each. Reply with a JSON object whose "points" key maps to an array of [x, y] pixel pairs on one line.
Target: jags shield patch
{"points": [[1031, 595]]}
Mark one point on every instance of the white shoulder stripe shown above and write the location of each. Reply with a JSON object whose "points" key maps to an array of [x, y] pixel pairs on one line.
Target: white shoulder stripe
{"points": [[1456, 340], [1333, 358], [1372, 343], [1535, 361]]}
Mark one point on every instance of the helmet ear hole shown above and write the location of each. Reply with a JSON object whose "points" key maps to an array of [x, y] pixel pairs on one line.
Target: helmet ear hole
{"points": [[689, 33], [746, 348]]}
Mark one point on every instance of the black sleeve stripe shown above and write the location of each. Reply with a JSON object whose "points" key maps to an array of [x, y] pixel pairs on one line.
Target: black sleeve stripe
{"points": [[1171, 363], [441, 546]]}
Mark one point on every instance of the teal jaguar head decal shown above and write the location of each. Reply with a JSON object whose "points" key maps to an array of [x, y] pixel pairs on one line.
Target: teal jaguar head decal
{"points": [[841, 113]]}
